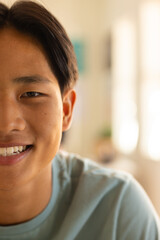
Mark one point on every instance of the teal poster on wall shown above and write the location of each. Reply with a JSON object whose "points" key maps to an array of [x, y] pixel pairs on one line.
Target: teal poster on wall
{"points": [[79, 48]]}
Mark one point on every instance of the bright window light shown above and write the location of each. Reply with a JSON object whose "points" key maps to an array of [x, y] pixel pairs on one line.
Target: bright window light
{"points": [[150, 38], [125, 126], [150, 84]]}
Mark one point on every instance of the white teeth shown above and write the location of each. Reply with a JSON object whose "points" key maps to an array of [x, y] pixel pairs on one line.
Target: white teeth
{"points": [[20, 148], [15, 149], [12, 150], [4, 153]]}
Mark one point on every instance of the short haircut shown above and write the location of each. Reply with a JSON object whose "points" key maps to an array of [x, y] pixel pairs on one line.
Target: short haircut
{"points": [[35, 20]]}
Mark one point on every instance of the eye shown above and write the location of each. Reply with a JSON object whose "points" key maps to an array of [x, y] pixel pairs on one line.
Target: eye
{"points": [[31, 94]]}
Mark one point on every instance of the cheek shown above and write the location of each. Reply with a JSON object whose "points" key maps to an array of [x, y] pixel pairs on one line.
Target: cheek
{"points": [[46, 123], [50, 126], [49, 134]]}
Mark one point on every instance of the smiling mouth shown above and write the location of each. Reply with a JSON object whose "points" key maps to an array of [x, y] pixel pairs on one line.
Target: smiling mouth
{"points": [[15, 150]]}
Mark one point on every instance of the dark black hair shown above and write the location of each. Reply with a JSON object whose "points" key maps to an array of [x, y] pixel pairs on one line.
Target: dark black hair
{"points": [[33, 19]]}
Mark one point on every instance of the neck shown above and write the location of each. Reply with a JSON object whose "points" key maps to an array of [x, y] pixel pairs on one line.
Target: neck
{"points": [[26, 202]]}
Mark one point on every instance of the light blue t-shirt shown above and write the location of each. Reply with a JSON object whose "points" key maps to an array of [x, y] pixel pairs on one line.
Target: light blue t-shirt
{"points": [[90, 203]]}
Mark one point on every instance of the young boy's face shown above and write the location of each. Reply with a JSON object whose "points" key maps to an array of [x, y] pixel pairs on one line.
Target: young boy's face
{"points": [[32, 110]]}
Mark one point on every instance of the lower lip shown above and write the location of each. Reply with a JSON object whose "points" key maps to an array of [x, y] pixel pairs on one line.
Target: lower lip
{"points": [[13, 159]]}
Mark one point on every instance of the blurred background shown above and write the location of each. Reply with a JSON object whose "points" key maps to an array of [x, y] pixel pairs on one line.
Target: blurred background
{"points": [[117, 116]]}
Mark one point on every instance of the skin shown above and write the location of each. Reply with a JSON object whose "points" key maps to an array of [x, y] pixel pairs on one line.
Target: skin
{"points": [[36, 119]]}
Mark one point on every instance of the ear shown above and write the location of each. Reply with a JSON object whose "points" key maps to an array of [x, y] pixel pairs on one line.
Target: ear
{"points": [[69, 98]]}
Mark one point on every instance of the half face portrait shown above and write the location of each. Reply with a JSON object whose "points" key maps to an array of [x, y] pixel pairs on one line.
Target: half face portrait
{"points": [[33, 110]]}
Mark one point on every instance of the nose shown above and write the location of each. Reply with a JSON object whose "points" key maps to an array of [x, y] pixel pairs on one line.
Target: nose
{"points": [[11, 118]]}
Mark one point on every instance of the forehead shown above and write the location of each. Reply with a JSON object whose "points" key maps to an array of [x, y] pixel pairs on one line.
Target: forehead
{"points": [[15, 39], [22, 55]]}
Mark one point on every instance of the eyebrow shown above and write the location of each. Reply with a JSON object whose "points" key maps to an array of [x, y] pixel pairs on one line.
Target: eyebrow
{"points": [[31, 79]]}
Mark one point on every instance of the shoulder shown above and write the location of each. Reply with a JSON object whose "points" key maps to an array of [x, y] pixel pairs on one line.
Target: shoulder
{"points": [[102, 182], [86, 170], [109, 195]]}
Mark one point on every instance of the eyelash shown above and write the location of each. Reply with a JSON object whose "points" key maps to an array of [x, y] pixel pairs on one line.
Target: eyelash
{"points": [[31, 94]]}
